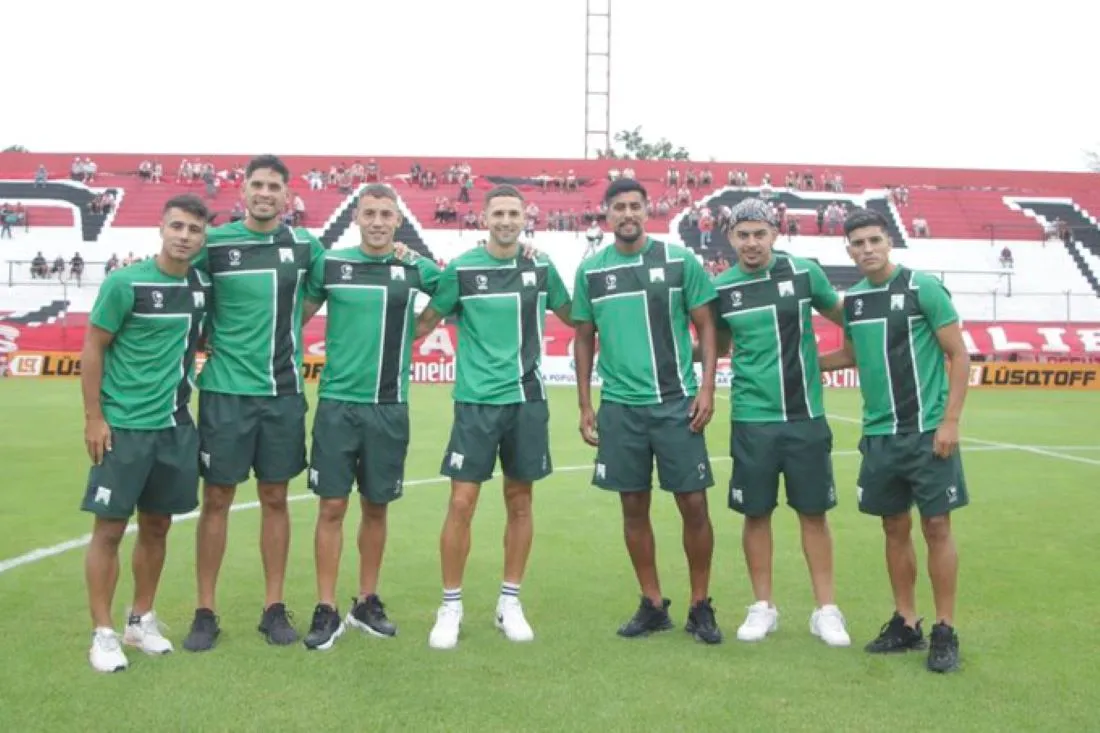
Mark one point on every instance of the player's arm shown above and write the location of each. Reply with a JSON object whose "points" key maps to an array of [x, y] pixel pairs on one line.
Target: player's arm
{"points": [[315, 281], [703, 406], [584, 355], [427, 321], [824, 297], [723, 338], [958, 381], [443, 303], [842, 358], [557, 297], [309, 309], [97, 435]]}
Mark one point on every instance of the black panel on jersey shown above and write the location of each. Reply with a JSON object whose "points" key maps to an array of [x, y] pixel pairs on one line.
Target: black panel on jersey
{"points": [[289, 269], [199, 297], [899, 357], [790, 289], [663, 341]]}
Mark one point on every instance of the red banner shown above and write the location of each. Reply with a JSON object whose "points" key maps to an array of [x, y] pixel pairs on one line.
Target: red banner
{"points": [[1052, 341]]}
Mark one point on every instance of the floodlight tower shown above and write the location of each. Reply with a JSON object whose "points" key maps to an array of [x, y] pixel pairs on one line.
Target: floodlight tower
{"points": [[597, 77]]}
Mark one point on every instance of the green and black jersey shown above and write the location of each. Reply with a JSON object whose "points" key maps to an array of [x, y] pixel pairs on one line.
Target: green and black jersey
{"points": [[148, 369], [259, 283], [902, 370], [641, 304], [769, 313], [501, 306], [371, 323]]}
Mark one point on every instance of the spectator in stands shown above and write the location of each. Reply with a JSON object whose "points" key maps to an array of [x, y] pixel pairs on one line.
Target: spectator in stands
{"points": [[663, 207], [594, 236], [793, 227], [39, 268], [733, 178], [299, 211], [374, 171], [628, 172], [464, 191], [238, 211], [470, 220], [145, 170], [1006, 258], [834, 218], [808, 180], [76, 268], [41, 176], [7, 219], [210, 179], [1065, 232], [111, 264], [76, 170], [683, 196], [706, 228], [692, 178], [58, 267], [706, 178], [529, 228], [920, 227], [158, 171]]}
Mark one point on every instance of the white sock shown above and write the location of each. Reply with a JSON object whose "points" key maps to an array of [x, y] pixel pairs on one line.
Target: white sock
{"points": [[509, 590], [452, 597]]}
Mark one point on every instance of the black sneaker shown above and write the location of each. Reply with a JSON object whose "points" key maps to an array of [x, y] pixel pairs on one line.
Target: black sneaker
{"points": [[943, 652], [370, 615], [325, 629], [895, 636], [702, 625], [647, 619], [204, 631], [275, 625]]}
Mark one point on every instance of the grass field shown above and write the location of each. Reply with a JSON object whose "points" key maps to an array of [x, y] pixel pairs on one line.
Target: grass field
{"points": [[1027, 617]]}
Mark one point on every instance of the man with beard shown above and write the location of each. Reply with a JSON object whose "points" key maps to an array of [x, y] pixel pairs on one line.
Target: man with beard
{"points": [[500, 297], [361, 426], [138, 359], [641, 295], [765, 309], [251, 407]]}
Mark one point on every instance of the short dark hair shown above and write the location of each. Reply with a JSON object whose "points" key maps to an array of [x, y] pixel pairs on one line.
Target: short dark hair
{"points": [[379, 191], [860, 218], [503, 191], [189, 203], [624, 185], [268, 161]]}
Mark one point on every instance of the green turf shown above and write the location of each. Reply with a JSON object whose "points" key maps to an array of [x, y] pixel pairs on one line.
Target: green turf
{"points": [[1029, 549]]}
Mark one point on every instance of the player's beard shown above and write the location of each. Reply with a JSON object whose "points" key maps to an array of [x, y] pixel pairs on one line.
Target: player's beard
{"points": [[629, 238]]}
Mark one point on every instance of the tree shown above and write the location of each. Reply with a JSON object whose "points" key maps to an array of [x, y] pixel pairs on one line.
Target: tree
{"points": [[14, 149], [636, 147], [1092, 160]]}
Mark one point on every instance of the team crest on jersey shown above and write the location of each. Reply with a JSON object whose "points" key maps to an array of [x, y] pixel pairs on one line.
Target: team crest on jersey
{"points": [[234, 258], [610, 281], [859, 306], [529, 279], [786, 287], [656, 274], [200, 299], [482, 282], [897, 302], [397, 272], [345, 272], [735, 299], [286, 254], [158, 299]]}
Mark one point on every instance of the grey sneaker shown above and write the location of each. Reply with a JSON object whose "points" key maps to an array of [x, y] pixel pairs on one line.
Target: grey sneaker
{"points": [[275, 625]]}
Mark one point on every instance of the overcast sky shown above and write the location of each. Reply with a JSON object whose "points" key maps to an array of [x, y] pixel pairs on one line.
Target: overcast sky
{"points": [[959, 83]]}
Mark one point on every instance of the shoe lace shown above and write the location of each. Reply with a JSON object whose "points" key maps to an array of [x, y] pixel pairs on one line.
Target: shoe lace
{"points": [[831, 617], [152, 626], [375, 606], [758, 614], [704, 613], [108, 642], [448, 613], [279, 615]]}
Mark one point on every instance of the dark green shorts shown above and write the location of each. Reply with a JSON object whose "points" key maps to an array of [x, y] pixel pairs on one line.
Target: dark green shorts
{"points": [[264, 434], [632, 436], [364, 444], [900, 470], [154, 471], [519, 434], [800, 451]]}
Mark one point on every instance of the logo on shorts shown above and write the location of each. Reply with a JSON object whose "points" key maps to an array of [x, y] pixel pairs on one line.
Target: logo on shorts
{"points": [[859, 494], [234, 257], [610, 281], [786, 288], [529, 279], [286, 254], [397, 273], [832, 493], [656, 274], [345, 272], [545, 461], [458, 458], [204, 456], [859, 307], [398, 487], [702, 470], [158, 299], [482, 282], [601, 470], [102, 495], [737, 496], [952, 494], [314, 476], [897, 302], [200, 298]]}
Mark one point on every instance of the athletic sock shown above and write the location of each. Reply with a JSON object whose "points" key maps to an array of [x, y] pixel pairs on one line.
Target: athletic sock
{"points": [[452, 597], [509, 590]]}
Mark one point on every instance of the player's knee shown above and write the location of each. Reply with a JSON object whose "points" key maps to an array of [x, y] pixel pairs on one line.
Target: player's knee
{"points": [[374, 513], [154, 526], [272, 497], [693, 510], [936, 529], [813, 522], [332, 511], [109, 532], [517, 502], [897, 527], [462, 506], [635, 508], [217, 499]]}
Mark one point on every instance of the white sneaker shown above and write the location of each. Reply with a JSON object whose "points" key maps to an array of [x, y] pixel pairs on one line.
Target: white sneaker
{"points": [[762, 620], [106, 653], [827, 624], [448, 620], [146, 635], [511, 621]]}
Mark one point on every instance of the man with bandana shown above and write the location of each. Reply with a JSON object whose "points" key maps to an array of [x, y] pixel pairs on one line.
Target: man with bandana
{"points": [[765, 309]]}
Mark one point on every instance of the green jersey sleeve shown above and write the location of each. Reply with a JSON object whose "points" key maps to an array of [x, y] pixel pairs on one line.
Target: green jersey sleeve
{"points": [[582, 306], [823, 295], [315, 281], [698, 288], [113, 304], [201, 261], [429, 274], [935, 303], [557, 296], [445, 299]]}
